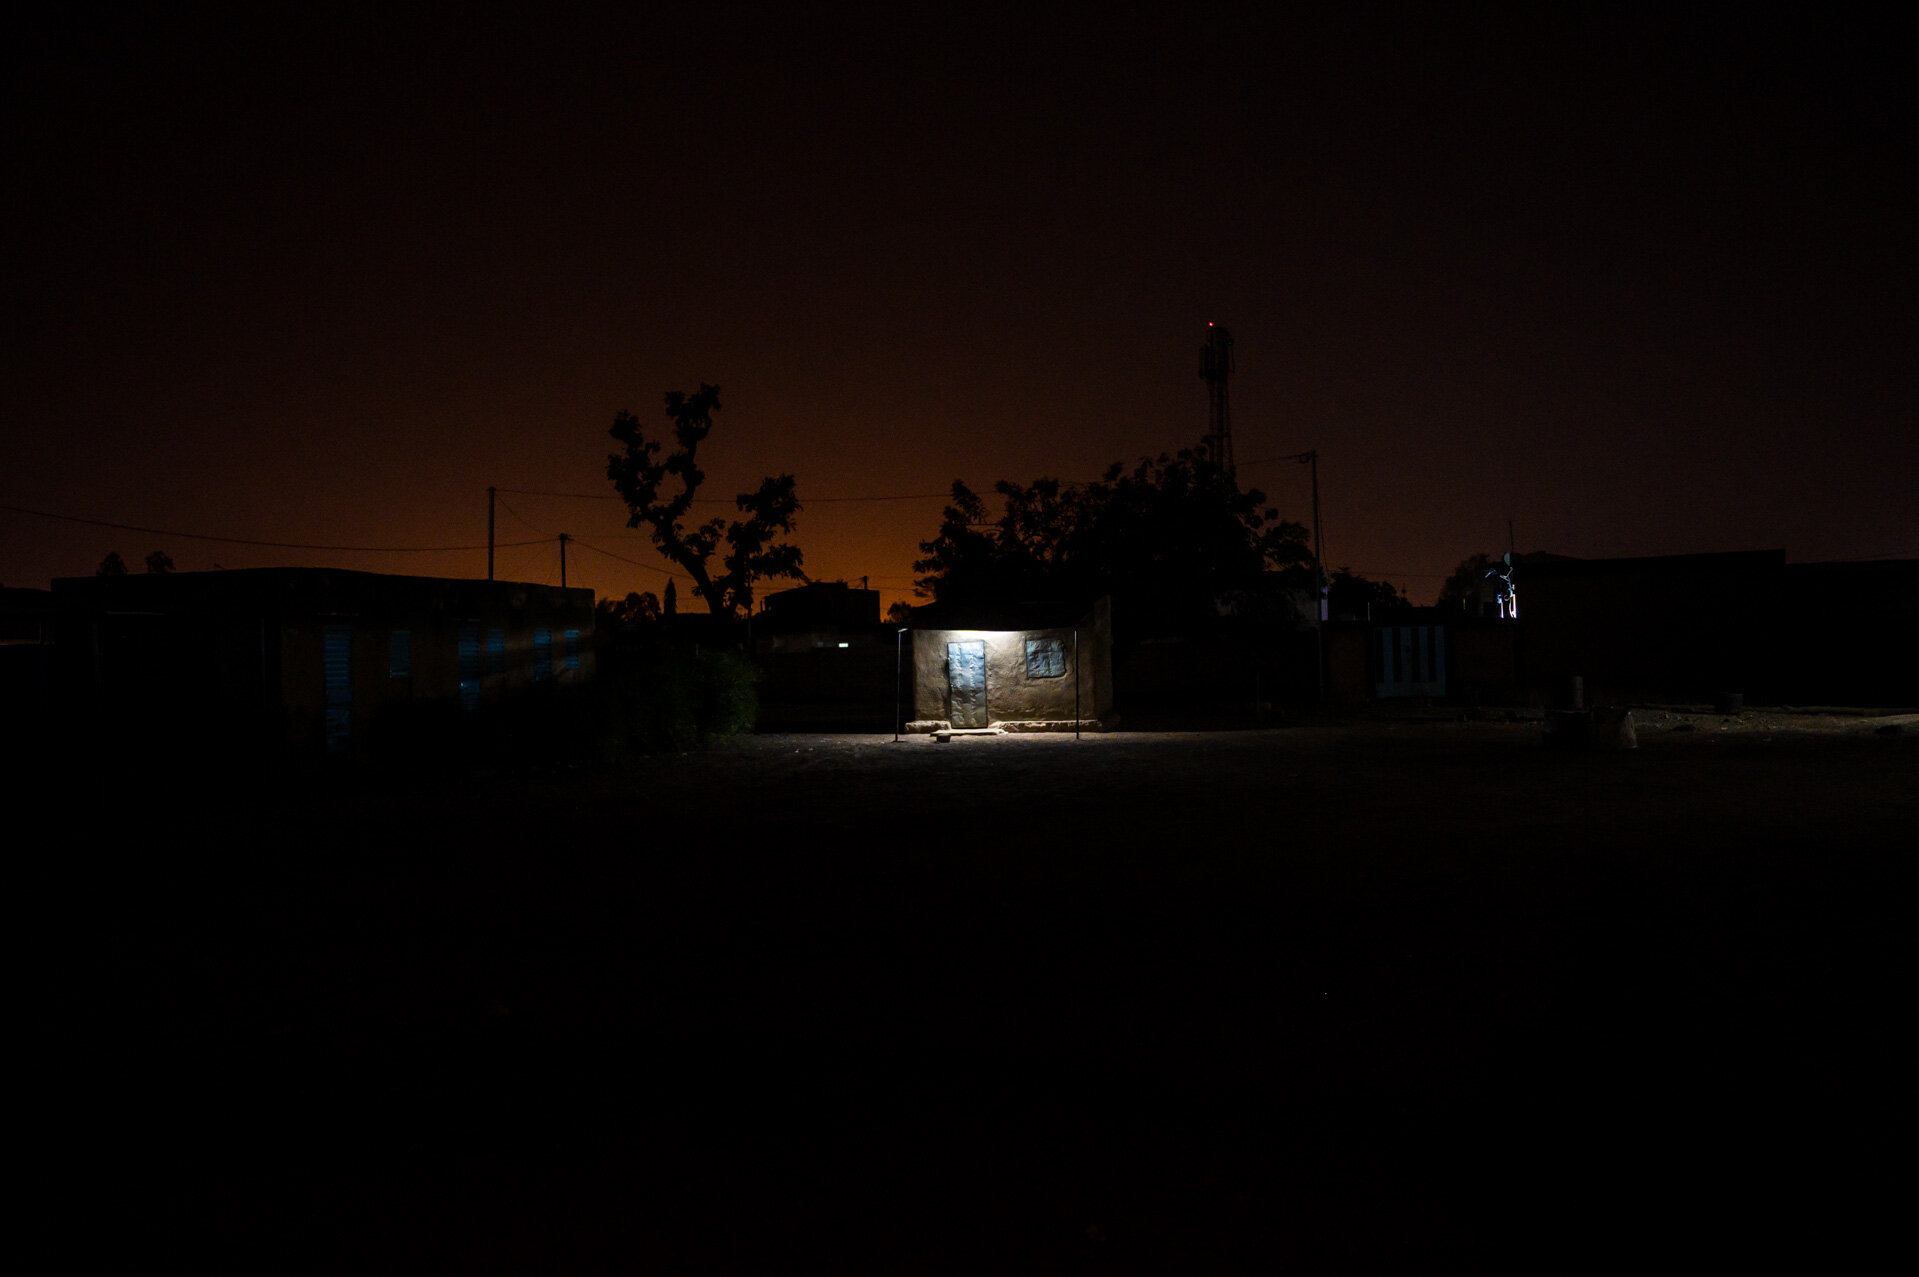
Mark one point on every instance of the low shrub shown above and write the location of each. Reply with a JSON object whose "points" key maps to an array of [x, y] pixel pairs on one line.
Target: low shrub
{"points": [[679, 699]]}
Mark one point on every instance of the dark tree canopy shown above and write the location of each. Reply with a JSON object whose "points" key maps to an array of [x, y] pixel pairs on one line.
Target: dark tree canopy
{"points": [[1467, 584], [659, 489], [1172, 534], [158, 564], [635, 611], [1350, 594]]}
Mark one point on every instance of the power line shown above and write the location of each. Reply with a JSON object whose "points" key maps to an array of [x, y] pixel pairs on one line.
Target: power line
{"points": [[904, 496], [276, 545], [522, 518], [1267, 461], [602, 496], [635, 562], [900, 496], [515, 569], [806, 501]]}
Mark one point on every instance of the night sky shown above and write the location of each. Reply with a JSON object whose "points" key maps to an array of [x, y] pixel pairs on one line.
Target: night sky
{"points": [[1642, 288]]}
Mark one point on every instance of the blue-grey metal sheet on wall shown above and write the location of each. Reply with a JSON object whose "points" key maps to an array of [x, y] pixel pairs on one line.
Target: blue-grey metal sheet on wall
{"points": [[1045, 658], [966, 682]]}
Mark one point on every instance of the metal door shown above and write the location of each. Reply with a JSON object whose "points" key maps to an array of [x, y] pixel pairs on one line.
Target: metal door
{"points": [[966, 683]]}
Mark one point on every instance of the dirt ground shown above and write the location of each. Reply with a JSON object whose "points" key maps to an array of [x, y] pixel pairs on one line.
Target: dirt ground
{"points": [[1404, 993]]}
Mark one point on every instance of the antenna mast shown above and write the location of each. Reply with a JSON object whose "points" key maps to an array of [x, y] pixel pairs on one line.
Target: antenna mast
{"points": [[1215, 366]]}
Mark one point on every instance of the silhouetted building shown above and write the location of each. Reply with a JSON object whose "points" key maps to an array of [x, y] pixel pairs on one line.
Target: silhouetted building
{"points": [[1847, 634], [1691, 626], [826, 660], [26, 650], [1672, 627], [825, 607], [304, 659], [1685, 628], [1255, 652], [1425, 653]]}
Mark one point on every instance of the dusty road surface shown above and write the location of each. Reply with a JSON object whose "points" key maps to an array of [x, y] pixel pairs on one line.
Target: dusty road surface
{"points": [[1411, 995]]}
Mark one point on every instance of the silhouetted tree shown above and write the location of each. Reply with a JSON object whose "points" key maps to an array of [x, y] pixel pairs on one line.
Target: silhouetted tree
{"points": [[159, 563], [632, 612], [1468, 580], [896, 614], [753, 550], [671, 605], [1173, 533], [1349, 594], [112, 565]]}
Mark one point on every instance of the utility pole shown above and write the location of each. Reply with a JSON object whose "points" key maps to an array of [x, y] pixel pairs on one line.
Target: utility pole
{"points": [[1319, 555], [564, 538], [1215, 366], [490, 498]]}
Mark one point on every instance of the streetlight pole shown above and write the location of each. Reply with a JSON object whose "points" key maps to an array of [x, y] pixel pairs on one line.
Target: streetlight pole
{"points": [[899, 673]]}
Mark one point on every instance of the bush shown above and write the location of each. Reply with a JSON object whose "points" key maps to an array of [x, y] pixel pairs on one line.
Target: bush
{"points": [[672, 699]]}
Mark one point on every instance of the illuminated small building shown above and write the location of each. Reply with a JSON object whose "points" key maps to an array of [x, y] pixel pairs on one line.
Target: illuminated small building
{"points": [[1014, 667]]}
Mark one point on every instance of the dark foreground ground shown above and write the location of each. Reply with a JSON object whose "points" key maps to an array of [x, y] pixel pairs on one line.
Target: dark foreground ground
{"points": [[1386, 997]]}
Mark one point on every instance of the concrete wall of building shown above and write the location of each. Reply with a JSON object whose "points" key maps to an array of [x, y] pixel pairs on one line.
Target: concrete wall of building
{"points": [[244, 653], [1348, 661], [1483, 658], [1851, 636], [826, 674], [1013, 693], [1238, 667], [1678, 627], [434, 651]]}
